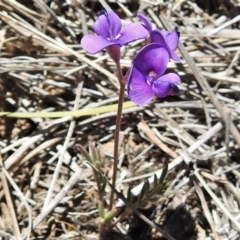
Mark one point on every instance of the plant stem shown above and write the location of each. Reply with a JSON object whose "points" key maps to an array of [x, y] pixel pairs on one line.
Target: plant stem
{"points": [[117, 129]]}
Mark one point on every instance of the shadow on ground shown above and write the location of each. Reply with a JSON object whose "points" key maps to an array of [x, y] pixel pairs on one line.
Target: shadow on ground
{"points": [[178, 223]]}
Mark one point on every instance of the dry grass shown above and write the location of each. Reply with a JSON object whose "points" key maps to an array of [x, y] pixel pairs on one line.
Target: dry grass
{"points": [[48, 192]]}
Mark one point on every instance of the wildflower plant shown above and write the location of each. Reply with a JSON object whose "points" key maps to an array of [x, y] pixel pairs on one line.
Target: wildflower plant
{"points": [[145, 80]]}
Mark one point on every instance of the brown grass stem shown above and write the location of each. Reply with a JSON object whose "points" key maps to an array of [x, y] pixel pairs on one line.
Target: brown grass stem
{"points": [[10, 204]]}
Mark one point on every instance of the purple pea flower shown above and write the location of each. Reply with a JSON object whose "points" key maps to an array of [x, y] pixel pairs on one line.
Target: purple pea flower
{"points": [[146, 79], [169, 40], [146, 22], [111, 35]]}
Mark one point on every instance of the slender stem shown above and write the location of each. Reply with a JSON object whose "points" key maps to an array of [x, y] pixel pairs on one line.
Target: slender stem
{"points": [[121, 217], [101, 202], [117, 129], [97, 180]]}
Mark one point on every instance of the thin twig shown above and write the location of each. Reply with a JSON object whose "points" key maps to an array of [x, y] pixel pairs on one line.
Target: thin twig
{"points": [[216, 199], [216, 128], [206, 210], [204, 84], [77, 176], [25, 203], [9, 202], [65, 145], [154, 139]]}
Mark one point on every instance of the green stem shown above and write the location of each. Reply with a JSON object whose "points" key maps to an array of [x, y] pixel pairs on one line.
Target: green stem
{"points": [[117, 129]]}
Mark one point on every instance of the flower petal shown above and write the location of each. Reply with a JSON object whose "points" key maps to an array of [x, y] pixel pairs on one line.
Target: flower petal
{"points": [[174, 90], [172, 39], [152, 58], [116, 24], [170, 77], [161, 89], [164, 33], [93, 43], [132, 32], [146, 21], [138, 89], [165, 85], [174, 56], [108, 25], [157, 36]]}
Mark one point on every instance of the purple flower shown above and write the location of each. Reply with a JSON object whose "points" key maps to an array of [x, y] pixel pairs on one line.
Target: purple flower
{"points": [[146, 22], [168, 40], [146, 77], [109, 32]]}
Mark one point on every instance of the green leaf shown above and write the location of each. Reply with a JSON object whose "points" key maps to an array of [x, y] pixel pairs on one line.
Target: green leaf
{"points": [[141, 195], [110, 215], [93, 154], [101, 210], [103, 185], [164, 172], [146, 188], [100, 157], [77, 113], [84, 152], [155, 182], [129, 195]]}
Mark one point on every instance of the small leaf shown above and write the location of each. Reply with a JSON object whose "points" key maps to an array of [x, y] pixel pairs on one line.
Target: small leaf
{"points": [[103, 185], [141, 195], [77, 113], [94, 167], [99, 157], [84, 152], [92, 151], [110, 215], [164, 172], [146, 188], [155, 183], [129, 195], [101, 210]]}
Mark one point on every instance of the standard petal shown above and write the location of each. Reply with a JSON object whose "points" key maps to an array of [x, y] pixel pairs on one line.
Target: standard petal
{"points": [[152, 58], [161, 89], [93, 43], [116, 23], [172, 39], [132, 32], [138, 89], [157, 36], [108, 25], [102, 25], [146, 21], [164, 33]]}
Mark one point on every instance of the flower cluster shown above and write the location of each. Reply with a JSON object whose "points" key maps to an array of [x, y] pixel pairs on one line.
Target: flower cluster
{"points": [[146, 77], [111, 35]]}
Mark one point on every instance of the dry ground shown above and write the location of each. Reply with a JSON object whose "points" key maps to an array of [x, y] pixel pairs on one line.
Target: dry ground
{"points": [[47, 190]]}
